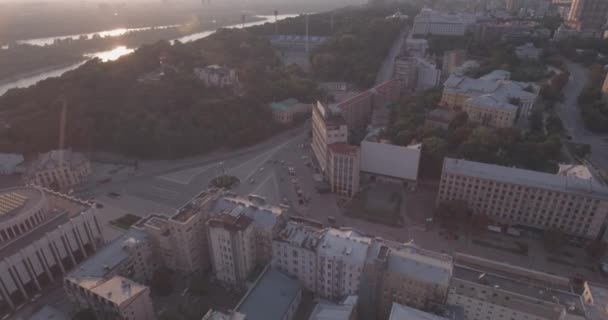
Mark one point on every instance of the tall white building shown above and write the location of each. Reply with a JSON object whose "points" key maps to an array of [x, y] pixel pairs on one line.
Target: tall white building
{"points": [[328, 126], [232, 248], [427, 74], [524, 197], [432, 22]]}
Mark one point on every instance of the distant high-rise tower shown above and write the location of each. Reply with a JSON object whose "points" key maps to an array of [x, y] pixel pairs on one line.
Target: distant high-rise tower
{"points": [[588, 14]]}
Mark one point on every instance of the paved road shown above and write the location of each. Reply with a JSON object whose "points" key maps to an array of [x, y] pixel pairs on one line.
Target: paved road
{"points": [[571, 117]]}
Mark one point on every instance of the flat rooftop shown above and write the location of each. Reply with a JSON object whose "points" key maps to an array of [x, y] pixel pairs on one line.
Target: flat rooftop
{"points": [[301, 235], [401, 312], [119, 289], [417, 263], [524, 177], [270, 298], [14, 201], [348, 244], [193, 207], [332, 311], [263, 215], [570, 301], [90, 272]]}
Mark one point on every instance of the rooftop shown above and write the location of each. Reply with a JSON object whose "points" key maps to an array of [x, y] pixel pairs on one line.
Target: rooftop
{"points": [[441, 115], [401, 312], [494, 83], [414, 262], [525, 293], [218, 315], [263, 215], [573, 170], [230, 222], [491, 102], [118, 289], [524, 177], [49, 313], [193, 207], [285, 104], [93, 270], [347, 244], [326, 310], [14, 201], [270, 297], [301, 235], [343, 148]]}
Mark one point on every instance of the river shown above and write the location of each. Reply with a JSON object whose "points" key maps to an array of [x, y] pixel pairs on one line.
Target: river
{"points": [[117, 52]]}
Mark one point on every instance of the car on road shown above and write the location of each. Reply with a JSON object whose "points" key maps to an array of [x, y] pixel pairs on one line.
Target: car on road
{"points": [[113, 195]]}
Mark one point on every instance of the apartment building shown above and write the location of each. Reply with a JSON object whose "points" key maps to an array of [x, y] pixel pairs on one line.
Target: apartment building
{"points": [[43, 235], [522, 197], [490, 111], [116, 298], [496, 290], [401, 312], [268, 220], [427, 74], [458, 89], [432, 22], [402, 273], [588, 14], [328, 126], [105, 282], [232, 248], [287, 110], [405, 70], [344, 310], [452, 59], [343, 169], [340, 260], [294, 251], [58, 169]]}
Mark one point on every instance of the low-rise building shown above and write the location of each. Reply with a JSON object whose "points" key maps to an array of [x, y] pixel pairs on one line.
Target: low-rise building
{"points": [[217, 76], [489, 111], [273, 296], [458, 89], [58, 169], [432, 22], [343, 168], [232, 248], [287, 110], [9, 162], [523, 197], [43, 235], [345, 310], [488, 288]]}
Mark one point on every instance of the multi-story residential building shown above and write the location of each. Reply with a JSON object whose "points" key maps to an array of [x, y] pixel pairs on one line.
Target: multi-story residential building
{"points": [[58, 169], [452, 59], [416, 47], [328, 126], [401, 312], [285, 111], [343, 168], [103, 281], [357, 110], [588, 14], [500, 291], [402, 273], [340, 261], [273, 296], [405, 70], [43, 235], [427, 74], [115, 298], [345, 310], [294, 251], [268, 221], [217, 76], [522, 197], [432, 22], [489, 111], [232, 248], [458, 89]]}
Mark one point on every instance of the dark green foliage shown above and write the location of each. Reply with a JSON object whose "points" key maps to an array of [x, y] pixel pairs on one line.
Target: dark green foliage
{"points": [[594, 110]]}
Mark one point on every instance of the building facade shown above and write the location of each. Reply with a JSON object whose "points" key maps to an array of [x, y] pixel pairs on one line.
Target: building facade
{"points": [[405, 71], [232, 248], [588, 14], [436, 23], [328, 127], [217, 76], [343, 169], [452, 59], [44, 235], [489, 111], [285, 111], [58, 169], [522, 197]]}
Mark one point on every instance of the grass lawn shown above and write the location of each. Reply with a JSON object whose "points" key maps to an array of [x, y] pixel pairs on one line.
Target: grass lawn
{"points": [[126, 221]]}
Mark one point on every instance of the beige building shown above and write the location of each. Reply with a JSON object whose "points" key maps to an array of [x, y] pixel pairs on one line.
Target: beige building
{"points": [[44, 235], [489, 111], [328, 127], [232, 248], [287, 110], [115, 298], [294, 251], [61, 169], [404, 274], [343, 169], [486, 288], [458, 89], [515, 196]]}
